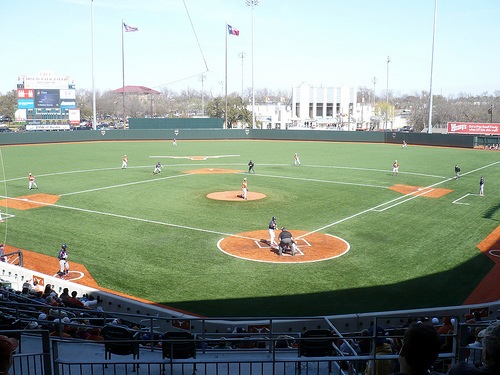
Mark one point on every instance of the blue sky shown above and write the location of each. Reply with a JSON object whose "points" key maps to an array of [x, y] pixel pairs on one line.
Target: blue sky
{"points": [[322, 42]]}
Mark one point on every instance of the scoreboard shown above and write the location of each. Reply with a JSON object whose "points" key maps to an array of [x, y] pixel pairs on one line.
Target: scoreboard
{"points": [[46, 102]]}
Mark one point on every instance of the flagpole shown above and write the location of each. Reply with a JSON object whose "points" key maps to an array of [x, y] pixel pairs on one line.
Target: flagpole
{"points": [[225, 76], [123, 76], [94, 117]]}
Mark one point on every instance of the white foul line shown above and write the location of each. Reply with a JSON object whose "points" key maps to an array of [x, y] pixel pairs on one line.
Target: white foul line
{"points": [[406, 200], [383, 204], [127, 184], [130, 218]]}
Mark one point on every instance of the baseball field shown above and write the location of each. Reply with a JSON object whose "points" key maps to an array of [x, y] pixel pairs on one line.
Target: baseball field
{"points": [[368, 240]]}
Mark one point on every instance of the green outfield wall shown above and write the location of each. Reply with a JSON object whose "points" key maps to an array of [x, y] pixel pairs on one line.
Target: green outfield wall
{"points": [[175, 123], [445, 140]]}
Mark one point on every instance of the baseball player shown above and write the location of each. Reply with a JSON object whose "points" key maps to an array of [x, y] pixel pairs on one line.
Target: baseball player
{"points": [[63, 261], [297, 160], [272, 228], [244, 189], [457, 171], [1, 220], [124, 162], [174, 143], [404, 144], [32, 182], [157, 169], [250, 166], [481, 186], [395, 168]]}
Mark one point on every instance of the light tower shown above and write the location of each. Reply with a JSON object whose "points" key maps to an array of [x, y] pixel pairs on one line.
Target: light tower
{"points": [[253, 4]]}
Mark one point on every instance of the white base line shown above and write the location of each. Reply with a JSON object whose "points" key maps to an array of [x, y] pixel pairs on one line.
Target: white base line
{"points": [[127, 184], [383, 204], [394, 205], [130, 218], [456, 200]]}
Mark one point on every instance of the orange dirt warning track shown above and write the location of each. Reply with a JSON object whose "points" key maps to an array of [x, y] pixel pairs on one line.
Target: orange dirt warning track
{"points": [[312, 247]]}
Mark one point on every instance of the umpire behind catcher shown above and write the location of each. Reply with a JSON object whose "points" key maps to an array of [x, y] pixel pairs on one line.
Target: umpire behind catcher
{"points": [[286, 239]]}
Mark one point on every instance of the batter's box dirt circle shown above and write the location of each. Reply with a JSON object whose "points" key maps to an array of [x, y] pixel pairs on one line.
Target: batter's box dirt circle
{"points": [[312, 247]]}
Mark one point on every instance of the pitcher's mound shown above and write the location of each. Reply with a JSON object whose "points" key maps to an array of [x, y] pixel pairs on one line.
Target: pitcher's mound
{"points": [[311, 247], [233, 196]]}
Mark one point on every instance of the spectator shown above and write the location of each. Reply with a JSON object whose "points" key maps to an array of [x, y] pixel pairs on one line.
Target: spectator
{"points": [[475, 349], [447, 325], [421, 344], [65, 295], [75, 302], [94, 335], [364, 342], [382, 347], [222, 344], [7, 348], [491, 355]]}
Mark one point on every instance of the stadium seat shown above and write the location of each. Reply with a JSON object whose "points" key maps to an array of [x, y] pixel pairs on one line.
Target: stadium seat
{"points": [[316, 343], [121, 341], [178, 345]]}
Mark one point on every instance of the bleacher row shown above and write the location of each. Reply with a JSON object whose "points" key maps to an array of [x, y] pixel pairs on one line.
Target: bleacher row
{"points": [[79, 334]]}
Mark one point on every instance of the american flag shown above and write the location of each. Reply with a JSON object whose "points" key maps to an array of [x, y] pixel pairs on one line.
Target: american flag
{"points": [[129, 29]]}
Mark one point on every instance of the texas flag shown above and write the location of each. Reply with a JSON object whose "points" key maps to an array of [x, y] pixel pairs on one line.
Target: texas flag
{"points": [[233, 30]]}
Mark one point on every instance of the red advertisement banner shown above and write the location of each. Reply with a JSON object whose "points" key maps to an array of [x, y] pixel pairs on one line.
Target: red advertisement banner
{"points": [[473, 128]]}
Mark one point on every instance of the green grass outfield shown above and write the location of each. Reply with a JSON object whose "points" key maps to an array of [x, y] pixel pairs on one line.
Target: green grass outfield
{"points": [[420, 253]]}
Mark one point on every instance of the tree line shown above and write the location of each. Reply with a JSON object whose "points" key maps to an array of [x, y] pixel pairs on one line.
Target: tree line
{"points": [[482, 108]]}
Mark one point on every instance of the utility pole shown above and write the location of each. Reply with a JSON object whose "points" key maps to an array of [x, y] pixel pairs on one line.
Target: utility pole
{"points": [[202, 78]]}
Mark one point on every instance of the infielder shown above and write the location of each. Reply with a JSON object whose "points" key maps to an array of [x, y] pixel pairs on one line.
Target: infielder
{"points": [[32, 182], [272, 228], [157, 169], [250, 166], [63, 261], [481, 186], [297, 160], [124, 162], [244, 189], [395, 168], [457, 171]]}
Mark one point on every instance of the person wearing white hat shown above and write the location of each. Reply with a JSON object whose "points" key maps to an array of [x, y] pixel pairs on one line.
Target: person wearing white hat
{"points": [[244, 189], [395, 168], [124, 162], [32, 182]]}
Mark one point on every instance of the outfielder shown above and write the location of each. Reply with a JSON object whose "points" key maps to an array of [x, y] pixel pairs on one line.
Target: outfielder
{"points": [[157, 169], [63, 261], [457, 171], [32, 182], [272, 228], [124, 162], [297, 160], [174, 143], [395, 168]]}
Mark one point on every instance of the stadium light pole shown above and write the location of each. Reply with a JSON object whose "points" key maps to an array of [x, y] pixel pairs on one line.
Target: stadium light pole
{"points": [[94, 116], [253, 3], [387, 93], [202, 79], [429, 125], [242, 55]]}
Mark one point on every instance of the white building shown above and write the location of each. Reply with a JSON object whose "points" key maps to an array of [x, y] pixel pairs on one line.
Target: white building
{"points": [[335, 108]]}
